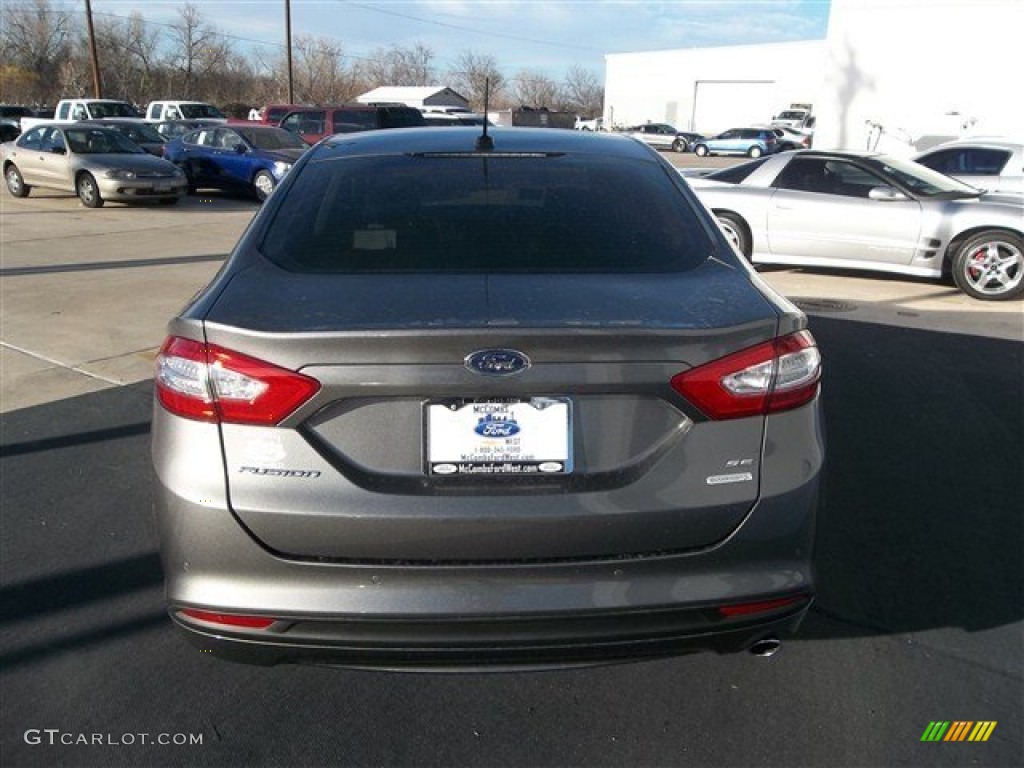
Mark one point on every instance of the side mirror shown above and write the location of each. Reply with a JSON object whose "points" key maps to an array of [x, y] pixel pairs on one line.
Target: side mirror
{"points": [[241, 149], [58, 150], [886, 194]]}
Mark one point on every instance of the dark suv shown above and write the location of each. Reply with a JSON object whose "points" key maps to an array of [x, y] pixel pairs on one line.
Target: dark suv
{"points": [[313, 123]]}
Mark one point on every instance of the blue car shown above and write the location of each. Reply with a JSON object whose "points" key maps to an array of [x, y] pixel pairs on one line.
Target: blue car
{"points": [[251, 159], [752, 142]]}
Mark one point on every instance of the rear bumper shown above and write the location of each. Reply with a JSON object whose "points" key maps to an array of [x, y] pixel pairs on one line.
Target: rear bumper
{"points": [[511, 642]]}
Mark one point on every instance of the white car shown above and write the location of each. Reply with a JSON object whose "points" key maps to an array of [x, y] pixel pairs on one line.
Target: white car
{"points": [[863, 210], [995, 164]]}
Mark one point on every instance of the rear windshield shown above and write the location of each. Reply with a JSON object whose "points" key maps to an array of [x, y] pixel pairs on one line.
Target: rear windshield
{"points": [[541, 213]]}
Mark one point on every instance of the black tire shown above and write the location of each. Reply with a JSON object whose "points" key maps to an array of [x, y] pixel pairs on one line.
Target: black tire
{"points": [[990, 266], [88, 191], [736, 232], [169, 200], [15, 183], [700, 150], [678, 145], [263, 184], [755, 151]]}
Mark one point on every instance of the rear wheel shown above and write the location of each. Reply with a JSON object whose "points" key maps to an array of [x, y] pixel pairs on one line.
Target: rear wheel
{"points": [[678, 145], [263, 184], [990, 266], [736, 232], [754, 151], [15, 184], [700, 150], [88, 191]]}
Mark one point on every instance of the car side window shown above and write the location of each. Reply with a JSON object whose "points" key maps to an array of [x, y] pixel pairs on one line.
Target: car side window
{"points": [[205, 138], [730, 135], [78, 113], [32, 139], [53, 139], [827, 177], [980, 161], [228, 139]]}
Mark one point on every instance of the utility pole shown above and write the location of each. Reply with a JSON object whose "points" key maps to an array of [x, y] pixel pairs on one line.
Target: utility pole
{"points": [[97, 86], [288, 46]]}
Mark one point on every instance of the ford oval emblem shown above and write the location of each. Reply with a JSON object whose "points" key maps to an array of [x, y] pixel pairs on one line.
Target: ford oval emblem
{"points": [[497, 362]]}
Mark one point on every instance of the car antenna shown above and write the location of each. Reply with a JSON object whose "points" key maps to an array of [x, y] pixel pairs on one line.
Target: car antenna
{"points": [[485, 143]]}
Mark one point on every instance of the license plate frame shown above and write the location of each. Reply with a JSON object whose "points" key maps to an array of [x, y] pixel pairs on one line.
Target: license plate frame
{"points": [[528, 436]]}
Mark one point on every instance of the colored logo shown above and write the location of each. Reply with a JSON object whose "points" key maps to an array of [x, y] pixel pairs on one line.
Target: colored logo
{"points": [[497, 362], [958, 730], [493, 425]]}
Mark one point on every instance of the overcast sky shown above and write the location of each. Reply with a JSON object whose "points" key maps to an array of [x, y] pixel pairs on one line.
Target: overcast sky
{"points": [[544, 35]]}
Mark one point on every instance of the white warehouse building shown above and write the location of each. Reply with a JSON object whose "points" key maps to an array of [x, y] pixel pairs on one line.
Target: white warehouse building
{"points": [[923, 71]]}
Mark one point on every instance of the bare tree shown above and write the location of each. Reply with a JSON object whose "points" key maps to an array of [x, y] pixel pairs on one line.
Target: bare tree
{"points": [[470, 74], [36, 38], [320, 73], [534, 89], [198, 50], [142, 54], [399, 65], [583, 91]]}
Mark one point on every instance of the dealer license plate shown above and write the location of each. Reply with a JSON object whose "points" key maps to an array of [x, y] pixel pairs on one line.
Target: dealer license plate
{"points": [[498, 437]]}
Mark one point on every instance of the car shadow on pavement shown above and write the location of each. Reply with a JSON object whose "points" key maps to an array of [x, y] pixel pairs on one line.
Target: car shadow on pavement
{"points": [[920, 523]]}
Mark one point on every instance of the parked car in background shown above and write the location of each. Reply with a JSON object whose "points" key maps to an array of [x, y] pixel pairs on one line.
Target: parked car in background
{"points": [[789, 138], [752, 142], [143, 134], [993, 164], [798, 116], [95, 162], [11, 114], [247, 158], [869, 211], [313, 123], [68, 110], [664, 136], [589, 124], [449, 407], [159, 111]]}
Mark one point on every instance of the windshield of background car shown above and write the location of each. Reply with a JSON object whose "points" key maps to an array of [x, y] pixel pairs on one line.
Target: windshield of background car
{"points": [[143, 133], [272, 138], [100, 141], [197, 111], [466, 213], [921, 180]]}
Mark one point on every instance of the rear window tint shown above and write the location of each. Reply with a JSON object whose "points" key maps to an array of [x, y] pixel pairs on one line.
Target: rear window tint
{"points": [[499, 214], [737, 173]]}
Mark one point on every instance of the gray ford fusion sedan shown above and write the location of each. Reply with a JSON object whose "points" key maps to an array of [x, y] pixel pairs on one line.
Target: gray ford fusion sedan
{"points": [[464, 401]]}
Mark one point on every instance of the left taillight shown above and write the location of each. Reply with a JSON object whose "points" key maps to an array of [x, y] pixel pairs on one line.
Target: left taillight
{"points": [[778, 375], [206, 382]]}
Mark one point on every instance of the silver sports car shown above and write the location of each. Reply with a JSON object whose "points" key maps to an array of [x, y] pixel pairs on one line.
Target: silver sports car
{"points": [[456, 401], [868, 211]]}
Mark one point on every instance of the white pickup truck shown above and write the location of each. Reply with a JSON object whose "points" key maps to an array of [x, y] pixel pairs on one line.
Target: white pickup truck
{"points": [[159, 111], [72, 110]]}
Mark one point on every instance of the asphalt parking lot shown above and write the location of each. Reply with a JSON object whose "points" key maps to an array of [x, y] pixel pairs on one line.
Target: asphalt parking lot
{"points": [[920, 614]]}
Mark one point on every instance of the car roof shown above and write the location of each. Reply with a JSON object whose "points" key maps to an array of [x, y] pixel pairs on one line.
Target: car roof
{"points": [[987, 142], [463, 140]]}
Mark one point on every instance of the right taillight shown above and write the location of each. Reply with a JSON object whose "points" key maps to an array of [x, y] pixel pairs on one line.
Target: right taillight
{"points": [[210, 383], [774, 376]]}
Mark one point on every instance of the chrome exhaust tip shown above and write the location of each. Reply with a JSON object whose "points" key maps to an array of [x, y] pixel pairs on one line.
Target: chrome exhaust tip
{"points": [[766, 647]]}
